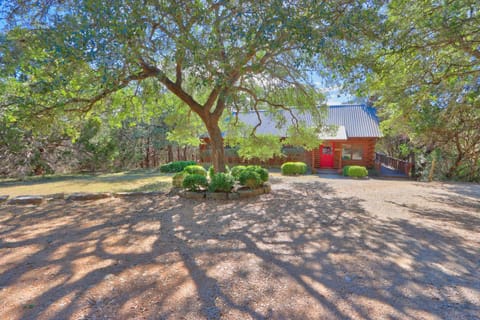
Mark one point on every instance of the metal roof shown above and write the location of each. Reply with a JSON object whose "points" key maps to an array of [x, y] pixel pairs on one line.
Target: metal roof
{"points": [[358, 120]]}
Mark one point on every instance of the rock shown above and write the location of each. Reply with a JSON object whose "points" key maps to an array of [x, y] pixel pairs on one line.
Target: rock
{"points": [[137, 194], [194, 195], [88, 196], [217, 195], [246, 193], [3, 199], [233, 196], [55, 196], [26, 200], [267, 187]]}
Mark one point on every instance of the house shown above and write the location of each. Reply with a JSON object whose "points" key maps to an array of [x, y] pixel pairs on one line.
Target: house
{"points": [[353, 143]]}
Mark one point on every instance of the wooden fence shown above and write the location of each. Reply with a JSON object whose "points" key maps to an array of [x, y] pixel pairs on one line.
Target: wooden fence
{"points": [[401, 166]]}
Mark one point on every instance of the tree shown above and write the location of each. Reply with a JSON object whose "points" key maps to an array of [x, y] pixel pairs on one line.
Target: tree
{"points": [[212, 55], [424, 74]]}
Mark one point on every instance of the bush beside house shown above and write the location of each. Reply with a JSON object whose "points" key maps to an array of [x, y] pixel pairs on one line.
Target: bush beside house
{"points": [[355, 171], [293, 168]]}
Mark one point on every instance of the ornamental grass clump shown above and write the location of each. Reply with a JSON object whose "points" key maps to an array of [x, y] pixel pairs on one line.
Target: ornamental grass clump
{"points": [[221, 182], [294, 168], [195, 182], [196, 169]]}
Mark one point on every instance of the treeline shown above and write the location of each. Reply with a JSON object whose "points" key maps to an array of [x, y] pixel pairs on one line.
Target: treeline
{"points": [[98, 147]]}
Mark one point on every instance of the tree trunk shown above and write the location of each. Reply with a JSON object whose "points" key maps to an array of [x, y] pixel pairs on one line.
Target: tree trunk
{"points": [[216, 143]]}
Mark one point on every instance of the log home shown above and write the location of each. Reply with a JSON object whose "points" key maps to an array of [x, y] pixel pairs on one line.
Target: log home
{"points": [[353, 143]]}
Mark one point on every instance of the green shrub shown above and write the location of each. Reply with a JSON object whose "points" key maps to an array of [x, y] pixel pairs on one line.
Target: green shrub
{"points": [[176, 166], [211, 171], [262, 172], [250, 178], [194, 182], [177, 179], [294, 168], [237, 170], [345, 170], [357, 171], [195, 169], [221, 182]]}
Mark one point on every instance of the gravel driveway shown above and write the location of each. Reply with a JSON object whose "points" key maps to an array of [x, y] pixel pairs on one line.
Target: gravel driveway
{"points": [[317, 247]]}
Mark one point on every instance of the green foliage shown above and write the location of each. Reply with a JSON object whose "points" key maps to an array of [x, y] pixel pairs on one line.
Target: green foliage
{"points": [[211, 172], [345, 170], [130, 57], [262, 172], [221, 182], [177, 179], [260, 146], [195, 182], [195, 169], [176, 166], [294, 168], [355, 171], [237, 170], [250, 178], [425, 83]]}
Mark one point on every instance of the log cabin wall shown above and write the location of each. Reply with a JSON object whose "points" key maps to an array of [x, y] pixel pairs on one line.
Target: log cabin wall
{"points": [[367, 145]]}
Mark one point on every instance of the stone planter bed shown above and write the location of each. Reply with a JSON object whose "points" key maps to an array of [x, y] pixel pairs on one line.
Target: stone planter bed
{"points": [[240, 193]]}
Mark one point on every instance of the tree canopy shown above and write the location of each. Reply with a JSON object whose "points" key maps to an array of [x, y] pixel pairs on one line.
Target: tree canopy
{"points": [[59, 57], [423, 73]]}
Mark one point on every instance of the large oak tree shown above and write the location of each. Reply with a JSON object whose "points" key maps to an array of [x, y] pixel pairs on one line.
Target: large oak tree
{"points": [[212, 55]]}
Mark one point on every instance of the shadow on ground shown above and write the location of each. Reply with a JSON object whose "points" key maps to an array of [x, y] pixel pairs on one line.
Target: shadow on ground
{"points": [[300, 252]]}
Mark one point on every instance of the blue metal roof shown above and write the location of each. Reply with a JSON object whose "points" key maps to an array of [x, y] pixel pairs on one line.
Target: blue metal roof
{"points": [[359, 120]]}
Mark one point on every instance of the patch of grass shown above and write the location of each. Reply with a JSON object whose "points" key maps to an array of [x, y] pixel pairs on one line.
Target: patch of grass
{"points": [[137, 180]]}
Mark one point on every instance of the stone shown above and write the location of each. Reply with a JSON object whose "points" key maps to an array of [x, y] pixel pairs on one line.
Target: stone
{"points": [[217, 195], [194, 195], [258, 191], [267, 187], [26, 200], [55, 196], [88, 196], [246, 193], [3, 198], [137, 194], [233, 196]]}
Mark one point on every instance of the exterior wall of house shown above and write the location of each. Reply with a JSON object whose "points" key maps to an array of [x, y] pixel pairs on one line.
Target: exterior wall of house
{"points": [[311, 158], [340, 159]]}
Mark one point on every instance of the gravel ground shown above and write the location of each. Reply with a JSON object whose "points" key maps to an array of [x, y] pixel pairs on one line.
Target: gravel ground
{"points": [[315, 248]]}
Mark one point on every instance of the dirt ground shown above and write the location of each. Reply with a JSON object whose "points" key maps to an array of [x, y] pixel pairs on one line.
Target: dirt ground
{"points": [[315, 248]]}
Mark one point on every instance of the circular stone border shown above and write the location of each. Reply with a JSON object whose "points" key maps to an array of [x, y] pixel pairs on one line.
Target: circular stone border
{"points": [[235, 195]]}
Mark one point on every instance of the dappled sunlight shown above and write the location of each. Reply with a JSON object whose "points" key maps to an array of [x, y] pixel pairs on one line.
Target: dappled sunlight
{"points": [[304, 250], [145, 180]]}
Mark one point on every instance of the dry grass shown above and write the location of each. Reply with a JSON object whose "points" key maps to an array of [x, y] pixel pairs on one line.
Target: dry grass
{"points": [[139, 180]]}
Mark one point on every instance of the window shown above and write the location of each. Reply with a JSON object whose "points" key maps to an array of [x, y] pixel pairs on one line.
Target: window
{"points": [[327, 150], [352, 152]]}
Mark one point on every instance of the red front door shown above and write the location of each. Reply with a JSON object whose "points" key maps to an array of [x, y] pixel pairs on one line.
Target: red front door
{"points": [[326, 155]]}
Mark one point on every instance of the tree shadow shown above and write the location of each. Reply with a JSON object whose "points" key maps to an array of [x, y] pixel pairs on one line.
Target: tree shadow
{"points": [[300, 252]]}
